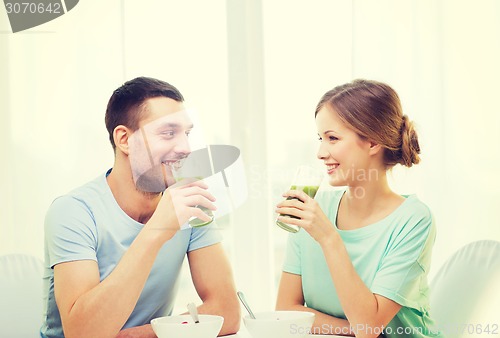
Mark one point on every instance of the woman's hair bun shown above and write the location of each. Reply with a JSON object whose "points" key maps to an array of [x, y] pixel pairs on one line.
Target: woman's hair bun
{"points": [[410, 149]]}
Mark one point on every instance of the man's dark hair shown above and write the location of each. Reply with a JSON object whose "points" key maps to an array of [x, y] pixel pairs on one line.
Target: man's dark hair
{"points": [[125, 105]]}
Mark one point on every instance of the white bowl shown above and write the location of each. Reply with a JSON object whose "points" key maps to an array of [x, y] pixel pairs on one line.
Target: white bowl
{"points": [[183, 326], [282, 324]]}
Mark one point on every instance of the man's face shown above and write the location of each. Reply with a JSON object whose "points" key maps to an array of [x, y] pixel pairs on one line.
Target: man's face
{"points": [[159, 144]]}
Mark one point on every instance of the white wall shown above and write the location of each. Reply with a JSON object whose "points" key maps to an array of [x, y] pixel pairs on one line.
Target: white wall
{"points": [[260, 94]]}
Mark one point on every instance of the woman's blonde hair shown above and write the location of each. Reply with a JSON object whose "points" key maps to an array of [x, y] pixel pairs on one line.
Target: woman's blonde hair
{"points": [[373, 110]]}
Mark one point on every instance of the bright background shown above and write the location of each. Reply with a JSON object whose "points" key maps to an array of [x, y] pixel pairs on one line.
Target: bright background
{"points": [[255, 70]]}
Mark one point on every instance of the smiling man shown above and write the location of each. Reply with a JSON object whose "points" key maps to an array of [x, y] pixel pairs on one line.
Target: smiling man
{"points": [[158, 146], [114, 247]]}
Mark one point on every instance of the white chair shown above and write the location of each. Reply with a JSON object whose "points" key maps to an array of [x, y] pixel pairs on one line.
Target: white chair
{"points": [[20, 296], [465, 294]]}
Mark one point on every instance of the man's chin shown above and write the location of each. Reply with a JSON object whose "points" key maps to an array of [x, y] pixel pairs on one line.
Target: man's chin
{"points": [[154, 180], [148, 184]]}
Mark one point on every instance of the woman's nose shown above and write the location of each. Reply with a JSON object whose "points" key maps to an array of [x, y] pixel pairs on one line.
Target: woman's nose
{"points": [[322, 152]]}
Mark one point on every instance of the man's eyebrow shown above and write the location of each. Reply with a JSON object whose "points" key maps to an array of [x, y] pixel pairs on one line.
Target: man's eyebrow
{"points": [[173, 125]]}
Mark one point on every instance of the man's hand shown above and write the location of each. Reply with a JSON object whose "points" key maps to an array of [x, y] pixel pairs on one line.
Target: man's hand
{"points": [[178, 205]]}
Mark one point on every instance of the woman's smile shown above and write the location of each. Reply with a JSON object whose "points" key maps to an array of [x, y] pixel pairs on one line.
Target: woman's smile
{"points": [[331, 167]]}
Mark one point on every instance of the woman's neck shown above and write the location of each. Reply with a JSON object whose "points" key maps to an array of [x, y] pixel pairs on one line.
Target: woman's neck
{"points": [[366, 203]]}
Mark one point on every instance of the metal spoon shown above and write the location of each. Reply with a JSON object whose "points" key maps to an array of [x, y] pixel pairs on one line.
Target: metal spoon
{"points": [[241, 296], [193, 311]]}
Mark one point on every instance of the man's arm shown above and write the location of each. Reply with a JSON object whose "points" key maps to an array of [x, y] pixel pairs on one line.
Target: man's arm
{"points": [[213, 280], [90, 308]]}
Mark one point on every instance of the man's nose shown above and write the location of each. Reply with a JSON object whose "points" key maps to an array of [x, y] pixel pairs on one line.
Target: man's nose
{"points": [[182, 146]]}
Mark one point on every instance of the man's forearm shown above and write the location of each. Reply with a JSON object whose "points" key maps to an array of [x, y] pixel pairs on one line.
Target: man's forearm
{"points": [[229, 310], [103, 310], [144, 331]]}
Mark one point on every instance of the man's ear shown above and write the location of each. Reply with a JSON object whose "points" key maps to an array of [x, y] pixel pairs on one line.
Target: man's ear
{"points": [[121, 136], [375, 148]]}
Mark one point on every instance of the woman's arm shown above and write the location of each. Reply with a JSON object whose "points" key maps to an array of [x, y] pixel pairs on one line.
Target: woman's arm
{"points": [[290, 297], [366, 312]]}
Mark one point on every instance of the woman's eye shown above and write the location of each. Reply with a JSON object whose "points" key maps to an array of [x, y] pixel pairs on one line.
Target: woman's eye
{"points": [[330, 138]]}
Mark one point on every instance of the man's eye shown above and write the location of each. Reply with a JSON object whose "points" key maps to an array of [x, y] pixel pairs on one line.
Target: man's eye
{"points": [[332, 138], [168, 133]]}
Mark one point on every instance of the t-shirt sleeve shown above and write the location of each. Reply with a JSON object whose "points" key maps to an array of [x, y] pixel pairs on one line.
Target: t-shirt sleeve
{"points": [[69, 231], [204, 236], [402, 274], [292, 258]]}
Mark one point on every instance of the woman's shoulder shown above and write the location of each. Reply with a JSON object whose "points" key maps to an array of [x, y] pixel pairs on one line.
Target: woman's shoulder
{"points": [[415, 218], [416, 208]]}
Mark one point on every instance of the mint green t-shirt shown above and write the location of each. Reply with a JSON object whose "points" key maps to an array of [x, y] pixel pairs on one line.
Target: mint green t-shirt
{"points": [[391, 256]]}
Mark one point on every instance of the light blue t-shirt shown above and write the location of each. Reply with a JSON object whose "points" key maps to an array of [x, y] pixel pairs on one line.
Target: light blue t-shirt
{"points": [[88, 224], [391, 256]]}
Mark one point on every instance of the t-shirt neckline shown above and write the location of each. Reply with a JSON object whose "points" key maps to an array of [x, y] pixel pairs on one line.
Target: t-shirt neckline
{"points": [[368, 229]]}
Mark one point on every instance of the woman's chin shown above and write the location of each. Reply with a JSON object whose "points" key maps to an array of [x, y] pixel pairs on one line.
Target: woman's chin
{"points": [[335, 182]]}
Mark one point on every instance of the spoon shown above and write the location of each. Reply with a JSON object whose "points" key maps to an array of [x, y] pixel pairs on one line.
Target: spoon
{"points": [[241, 296], [193, 311]]}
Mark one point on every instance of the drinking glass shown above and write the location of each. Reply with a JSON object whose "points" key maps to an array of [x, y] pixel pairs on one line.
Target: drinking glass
{"points": [[308, 180], [174, 174]]}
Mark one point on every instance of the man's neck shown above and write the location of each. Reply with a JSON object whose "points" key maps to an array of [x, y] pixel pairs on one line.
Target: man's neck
{"points": [[136, 204]]}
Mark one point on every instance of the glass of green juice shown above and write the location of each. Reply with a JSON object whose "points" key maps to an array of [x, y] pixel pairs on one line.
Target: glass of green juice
{"points": [[194, 222], [307, 179]]}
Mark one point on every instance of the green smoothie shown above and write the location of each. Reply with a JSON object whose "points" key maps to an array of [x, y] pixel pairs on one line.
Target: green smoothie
{"points": [[196, 222], [311, 191]]}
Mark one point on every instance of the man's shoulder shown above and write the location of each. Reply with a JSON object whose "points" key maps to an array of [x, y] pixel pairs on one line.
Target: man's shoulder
{"points": [[86, 193], [93, 188]]}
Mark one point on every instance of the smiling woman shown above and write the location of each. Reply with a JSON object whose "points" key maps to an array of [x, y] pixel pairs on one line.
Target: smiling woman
{"points": [[361, 260]]}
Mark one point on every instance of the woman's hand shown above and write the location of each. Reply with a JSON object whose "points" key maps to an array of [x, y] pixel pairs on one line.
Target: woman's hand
{"points": [[311, 218]]}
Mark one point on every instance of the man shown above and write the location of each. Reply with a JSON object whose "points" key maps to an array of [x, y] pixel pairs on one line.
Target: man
{"points": [[114, 247]]}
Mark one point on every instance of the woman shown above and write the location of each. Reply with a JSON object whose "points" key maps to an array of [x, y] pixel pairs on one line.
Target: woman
{"points": [[360, 261]]}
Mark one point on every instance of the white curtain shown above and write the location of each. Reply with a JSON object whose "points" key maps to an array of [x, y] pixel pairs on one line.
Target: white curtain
{"points": [[255, 70]]}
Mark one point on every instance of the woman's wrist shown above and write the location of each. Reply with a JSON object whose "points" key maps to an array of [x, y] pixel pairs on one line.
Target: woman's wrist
{"points": [[330, 240]]}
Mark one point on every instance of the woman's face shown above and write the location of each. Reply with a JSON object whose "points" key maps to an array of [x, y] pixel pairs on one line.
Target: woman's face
{"points": [[345, 154]]}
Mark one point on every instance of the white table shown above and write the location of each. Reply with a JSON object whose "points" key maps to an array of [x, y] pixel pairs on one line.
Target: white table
{"points": [[243, 333]]}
